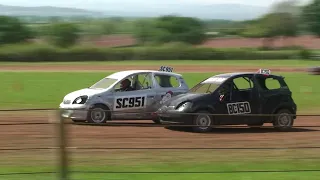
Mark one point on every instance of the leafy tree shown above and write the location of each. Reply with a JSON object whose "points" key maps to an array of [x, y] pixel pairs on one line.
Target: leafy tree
{"points": [[64, 34], [287, 6], [311, 16], [12, 30], [170, 29], [294, 8], [180, 29], [279, 24], [145, 31], [108, 27], [271, 26]]}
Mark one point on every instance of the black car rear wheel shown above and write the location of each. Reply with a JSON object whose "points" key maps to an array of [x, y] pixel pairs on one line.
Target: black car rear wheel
{"points": [[283, 120], [202, 122]]}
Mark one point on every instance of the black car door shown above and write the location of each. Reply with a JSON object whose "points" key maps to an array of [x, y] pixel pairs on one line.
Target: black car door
{"points": [[244, 100], [226, 108], [269, 88]]}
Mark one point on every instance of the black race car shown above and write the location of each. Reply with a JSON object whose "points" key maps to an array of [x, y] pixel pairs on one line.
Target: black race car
{"points": [[233, 99]]}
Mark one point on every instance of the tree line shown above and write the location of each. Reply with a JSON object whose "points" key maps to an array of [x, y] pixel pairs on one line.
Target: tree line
{"points": [[286, 19]]}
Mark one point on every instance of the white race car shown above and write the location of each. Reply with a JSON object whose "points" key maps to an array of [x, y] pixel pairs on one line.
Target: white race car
{"points": [[110, 98]]}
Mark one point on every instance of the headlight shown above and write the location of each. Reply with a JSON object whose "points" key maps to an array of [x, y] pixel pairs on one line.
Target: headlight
{"points": [[184, 106], [80, 100]]}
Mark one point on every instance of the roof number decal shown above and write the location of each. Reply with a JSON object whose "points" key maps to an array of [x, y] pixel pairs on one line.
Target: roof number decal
{"points": [[264, 71], [166, 69]]}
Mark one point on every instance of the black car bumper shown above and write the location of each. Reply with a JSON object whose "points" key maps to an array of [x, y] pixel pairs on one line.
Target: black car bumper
{"points": [[173, 116]]}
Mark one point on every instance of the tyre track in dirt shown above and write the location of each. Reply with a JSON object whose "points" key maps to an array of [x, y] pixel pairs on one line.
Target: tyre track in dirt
{"points": [[130, 135]]}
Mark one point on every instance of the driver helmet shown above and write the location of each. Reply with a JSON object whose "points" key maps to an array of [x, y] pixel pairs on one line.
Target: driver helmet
{"points": [[125, 84]]}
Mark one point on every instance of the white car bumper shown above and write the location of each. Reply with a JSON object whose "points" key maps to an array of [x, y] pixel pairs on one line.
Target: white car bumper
{"points": [[74, 111]]}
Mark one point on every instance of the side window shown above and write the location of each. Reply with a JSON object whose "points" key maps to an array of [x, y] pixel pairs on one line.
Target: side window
{"points": [[268, 83], [167, 81], [243, 83], [143, 81], [174, 82], [272, 84], [117, 86], [138, 82]]}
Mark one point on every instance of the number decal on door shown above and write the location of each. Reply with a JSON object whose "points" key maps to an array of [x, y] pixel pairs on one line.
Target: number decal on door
{"points": [[130, 102], [239, 108]]}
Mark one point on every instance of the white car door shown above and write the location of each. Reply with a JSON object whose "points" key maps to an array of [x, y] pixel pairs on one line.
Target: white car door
{"points": [[136, 103], [167, 87]]}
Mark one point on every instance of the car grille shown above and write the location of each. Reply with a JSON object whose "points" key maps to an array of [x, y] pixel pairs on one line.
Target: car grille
{"points": [[66, 101]]}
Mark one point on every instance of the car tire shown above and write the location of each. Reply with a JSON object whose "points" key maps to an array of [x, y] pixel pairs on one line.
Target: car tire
{"points": [[98, 114], [202, 119], [156, 120], [78, 121], [283, 120]]}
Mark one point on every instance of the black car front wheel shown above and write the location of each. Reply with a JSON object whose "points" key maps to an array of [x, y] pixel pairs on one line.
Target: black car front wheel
{"points": [[78, 121], [202, 122], [156, 120], [283, 120]]}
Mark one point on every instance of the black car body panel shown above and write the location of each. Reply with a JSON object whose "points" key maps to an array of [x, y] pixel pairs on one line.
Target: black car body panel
{"points": [[256, 99]]}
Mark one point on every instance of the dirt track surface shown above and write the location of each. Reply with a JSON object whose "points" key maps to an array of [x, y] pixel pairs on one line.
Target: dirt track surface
{"points": [[17, 132], [177, 68]]}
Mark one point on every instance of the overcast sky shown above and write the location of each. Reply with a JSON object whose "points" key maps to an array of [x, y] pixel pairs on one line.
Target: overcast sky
{"points": [[96, 4]]}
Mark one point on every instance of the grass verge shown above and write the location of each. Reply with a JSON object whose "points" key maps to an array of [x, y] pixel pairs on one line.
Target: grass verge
{"points": [[276, 169], [262, 63], [46, 90]]}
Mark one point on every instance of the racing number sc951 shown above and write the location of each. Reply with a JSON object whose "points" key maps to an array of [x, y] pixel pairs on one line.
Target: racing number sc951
{"points": [[130, 102]]}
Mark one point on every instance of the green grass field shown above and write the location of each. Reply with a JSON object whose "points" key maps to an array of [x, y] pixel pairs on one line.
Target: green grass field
{"points": [[226, 166], [262, 63], [46, 90], [195, 167]]}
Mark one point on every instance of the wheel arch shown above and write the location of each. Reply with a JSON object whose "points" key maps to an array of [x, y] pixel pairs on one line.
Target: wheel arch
{"points": [[209, 109], [204, 108], [284, 106]]}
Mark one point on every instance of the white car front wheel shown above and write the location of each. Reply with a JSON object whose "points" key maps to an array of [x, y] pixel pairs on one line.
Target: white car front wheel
{"points": [[98, 114]]}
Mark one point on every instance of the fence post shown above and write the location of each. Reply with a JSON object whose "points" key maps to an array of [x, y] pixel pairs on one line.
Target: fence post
{"points": [[63, 154]]}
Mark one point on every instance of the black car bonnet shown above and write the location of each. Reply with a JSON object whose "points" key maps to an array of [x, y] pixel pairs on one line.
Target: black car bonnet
{"points": [[176, 100]]}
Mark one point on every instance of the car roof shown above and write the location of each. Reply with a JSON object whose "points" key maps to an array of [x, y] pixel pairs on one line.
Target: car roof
{"points": [[230, 75], [225, 76], [123, 74]]}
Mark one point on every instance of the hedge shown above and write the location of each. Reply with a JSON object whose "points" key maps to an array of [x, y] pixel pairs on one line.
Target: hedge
{"points": [[50, 54]]}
